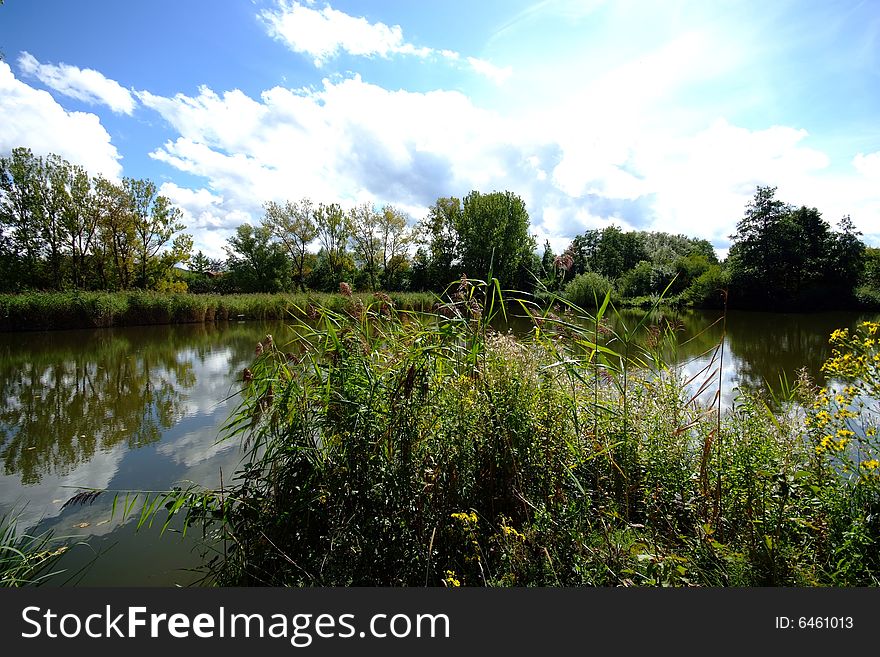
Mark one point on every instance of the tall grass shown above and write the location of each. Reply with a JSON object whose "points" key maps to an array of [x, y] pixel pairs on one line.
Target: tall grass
{"points": [[68, 310], [389, 448], [25, 559]]}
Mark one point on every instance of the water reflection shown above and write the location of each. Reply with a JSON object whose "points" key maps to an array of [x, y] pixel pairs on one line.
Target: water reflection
{"points": [[758, 347], [133, 408]]}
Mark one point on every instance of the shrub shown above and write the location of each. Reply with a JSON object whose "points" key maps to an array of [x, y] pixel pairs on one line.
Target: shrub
{"points": [[587, 290]]}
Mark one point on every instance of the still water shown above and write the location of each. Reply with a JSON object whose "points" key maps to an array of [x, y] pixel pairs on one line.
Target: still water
{"points": [[141, 408]]}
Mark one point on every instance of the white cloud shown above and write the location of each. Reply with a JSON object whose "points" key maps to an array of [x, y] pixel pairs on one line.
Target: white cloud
{"points": [[208, 217], [325, 33], [352, 141], [32, 118], [83, 84], [868, 165], [495, 73]]}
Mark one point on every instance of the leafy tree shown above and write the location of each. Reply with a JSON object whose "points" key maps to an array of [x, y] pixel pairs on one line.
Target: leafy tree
{"points": [[294, 225], [782, 255], [617, 252], [80, 218], [493, 237], [333, 236], [583, 249], [200, 263], [117, 234], [155, 222], [847, 256], [395, 238], [362, 225], [547, 265], [638, 281], [22, 209], [255, 262], [439, 232]]}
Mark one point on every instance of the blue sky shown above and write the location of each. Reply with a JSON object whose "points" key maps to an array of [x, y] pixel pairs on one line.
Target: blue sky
{"points": [[647, 115]]}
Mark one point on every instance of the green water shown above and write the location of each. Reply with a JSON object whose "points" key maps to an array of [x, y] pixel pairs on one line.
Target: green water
{"points": [[140, 408]]}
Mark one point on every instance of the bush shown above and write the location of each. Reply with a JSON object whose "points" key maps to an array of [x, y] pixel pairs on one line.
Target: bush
{"points": [[706, 290], [587, 290]]}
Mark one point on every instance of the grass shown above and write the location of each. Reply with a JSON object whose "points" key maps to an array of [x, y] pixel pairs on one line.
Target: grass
{"points": [[69, 310], [25, 559], [386, 448]]}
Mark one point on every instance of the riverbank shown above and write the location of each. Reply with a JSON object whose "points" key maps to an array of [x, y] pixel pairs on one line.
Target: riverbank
{"points": [[41, 311]]}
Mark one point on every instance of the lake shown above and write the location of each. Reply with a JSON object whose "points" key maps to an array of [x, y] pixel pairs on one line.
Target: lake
{"points": [[141, 408]]}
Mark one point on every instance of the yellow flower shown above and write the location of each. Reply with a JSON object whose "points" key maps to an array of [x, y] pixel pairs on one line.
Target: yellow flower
{"points": [[871, 431], [510, 531], [873, 464], [450, 579], [838, 335], [466, 518]]}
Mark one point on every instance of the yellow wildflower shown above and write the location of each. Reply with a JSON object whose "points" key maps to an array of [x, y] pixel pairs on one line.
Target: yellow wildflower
{"points": [[510, 531], [466, 518], [450, 579]]}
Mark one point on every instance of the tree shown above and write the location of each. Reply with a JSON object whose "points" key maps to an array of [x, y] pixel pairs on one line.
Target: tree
{"points": [[255, 262], [200, 263], [617, 252], [155, 223], [847, 255], [333, 236], [758, 245], [783, 256], [494, 239], [22, 209], [117, 235], [362, 225], [395, 238], [80, 218], [438, 231], [547, 265], [294, 225]]}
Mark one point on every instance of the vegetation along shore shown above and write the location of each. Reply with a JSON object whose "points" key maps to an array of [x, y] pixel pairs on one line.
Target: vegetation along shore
{"points": [[65, 231]]}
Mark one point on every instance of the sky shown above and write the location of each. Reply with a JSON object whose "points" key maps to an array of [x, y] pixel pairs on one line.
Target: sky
{"points": [[647, 115]]}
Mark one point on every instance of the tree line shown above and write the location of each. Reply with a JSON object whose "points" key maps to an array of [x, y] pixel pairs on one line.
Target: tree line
{"points": [[61, 228]]}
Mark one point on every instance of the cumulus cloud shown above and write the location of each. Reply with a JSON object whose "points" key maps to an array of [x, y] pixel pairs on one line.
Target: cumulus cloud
{"points": [[209, 218], [325, 33], [868, 165], [32, 118], [352, 141], [83, 84]]}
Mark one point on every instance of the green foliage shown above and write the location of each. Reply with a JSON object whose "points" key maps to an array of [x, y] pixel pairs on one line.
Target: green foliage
{"points": [[707, 289], [63, 229], [294, 225], [493, 238], [786, 256], [255, 263], [587, 290], [638, 281], [69, 310], [26, 559]]}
